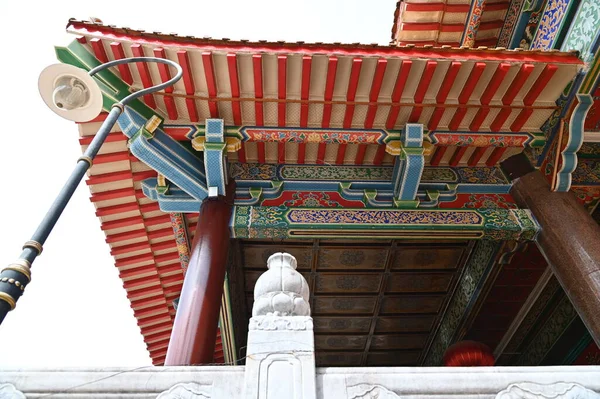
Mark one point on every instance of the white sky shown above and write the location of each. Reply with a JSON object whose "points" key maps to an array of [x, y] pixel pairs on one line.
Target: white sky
{"points": [[75, 312]]}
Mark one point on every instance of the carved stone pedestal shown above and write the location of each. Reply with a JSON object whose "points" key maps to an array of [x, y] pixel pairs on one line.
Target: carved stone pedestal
{"points": [[280, 359]]}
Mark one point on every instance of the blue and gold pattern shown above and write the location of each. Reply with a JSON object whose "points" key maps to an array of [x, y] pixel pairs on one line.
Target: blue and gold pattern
{"points": [[551, 23]]}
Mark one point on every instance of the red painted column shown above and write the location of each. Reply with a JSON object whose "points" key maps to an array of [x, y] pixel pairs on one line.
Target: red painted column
{"points": [[195, 327]]}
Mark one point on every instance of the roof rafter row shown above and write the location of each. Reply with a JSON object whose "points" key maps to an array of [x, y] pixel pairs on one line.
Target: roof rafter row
{"points": [[343, 86]]}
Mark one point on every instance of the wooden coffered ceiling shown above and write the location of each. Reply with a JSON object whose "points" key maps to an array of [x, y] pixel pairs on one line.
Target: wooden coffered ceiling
{"points": [[374, 303]]}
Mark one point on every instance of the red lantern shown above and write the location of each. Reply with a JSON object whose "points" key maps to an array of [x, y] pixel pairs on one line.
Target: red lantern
{"points": [[468, 354]]}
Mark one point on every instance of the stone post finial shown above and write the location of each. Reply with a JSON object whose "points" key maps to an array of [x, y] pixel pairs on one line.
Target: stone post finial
{"points": [[280, 334], [281, 290]]}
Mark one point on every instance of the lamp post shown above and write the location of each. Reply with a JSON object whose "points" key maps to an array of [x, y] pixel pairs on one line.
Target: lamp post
{"points": [[72, 93]]}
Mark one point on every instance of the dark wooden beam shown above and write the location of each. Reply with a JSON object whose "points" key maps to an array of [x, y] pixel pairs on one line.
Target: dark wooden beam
{"points": [[195, 327], [569, 239]]}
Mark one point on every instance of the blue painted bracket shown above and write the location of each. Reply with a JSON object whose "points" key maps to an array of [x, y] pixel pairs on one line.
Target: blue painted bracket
{"points": [[172, 200], [408, 168], [165, 155], [569, 154], [215, 148]]}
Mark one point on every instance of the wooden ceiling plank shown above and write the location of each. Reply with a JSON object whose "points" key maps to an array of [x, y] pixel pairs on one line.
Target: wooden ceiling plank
{"points": [[401, 79], [232, 65], [258, 88], [391, 252], [374, 93], [305, 89], [211, 83], [124, 69], [144, 71], [165, 76], [281, 89], [423, 86], [188, 83], [328, 95]]}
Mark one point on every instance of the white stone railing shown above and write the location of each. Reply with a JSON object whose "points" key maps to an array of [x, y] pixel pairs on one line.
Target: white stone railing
{"points": [[280, 364], [146, 383], [563, 382], [225, 382]]}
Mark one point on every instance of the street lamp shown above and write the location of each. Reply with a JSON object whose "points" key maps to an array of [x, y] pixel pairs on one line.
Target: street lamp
{"points": [[72, 93]]}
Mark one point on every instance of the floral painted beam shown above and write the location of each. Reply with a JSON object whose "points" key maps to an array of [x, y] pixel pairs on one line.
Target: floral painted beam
{"points": [[281, 223]]}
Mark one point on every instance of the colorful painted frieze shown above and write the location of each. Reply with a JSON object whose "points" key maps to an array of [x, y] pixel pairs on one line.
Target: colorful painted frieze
{"points": [[552, 21], [510, 23], [584, 30], [282, 222]]}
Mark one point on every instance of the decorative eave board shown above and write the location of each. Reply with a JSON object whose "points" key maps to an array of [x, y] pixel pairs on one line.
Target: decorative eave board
{"points": [[341, 86]]}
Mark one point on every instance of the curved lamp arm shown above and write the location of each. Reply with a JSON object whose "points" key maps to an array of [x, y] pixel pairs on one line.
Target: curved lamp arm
{"points": [[17, 275], [148, 90]]}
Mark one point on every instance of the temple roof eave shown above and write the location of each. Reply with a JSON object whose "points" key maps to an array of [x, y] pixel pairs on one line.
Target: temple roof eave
{"points": [[82, 27]]}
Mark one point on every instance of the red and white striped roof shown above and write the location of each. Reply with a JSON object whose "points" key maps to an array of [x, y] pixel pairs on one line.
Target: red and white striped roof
{"points": [[140, 237], [340, 86], [443, 22]]}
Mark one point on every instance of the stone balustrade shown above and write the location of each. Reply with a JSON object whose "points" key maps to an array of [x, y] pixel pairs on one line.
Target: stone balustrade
{"points": [[280, 364]]}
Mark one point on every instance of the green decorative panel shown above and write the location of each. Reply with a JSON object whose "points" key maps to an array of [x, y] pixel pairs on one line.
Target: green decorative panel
{"points": [[584, 29], [341, 173], [558, 321], [476, 272]]}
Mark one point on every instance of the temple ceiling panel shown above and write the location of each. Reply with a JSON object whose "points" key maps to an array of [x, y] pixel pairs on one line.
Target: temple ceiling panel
{"points": [[374, 303]]}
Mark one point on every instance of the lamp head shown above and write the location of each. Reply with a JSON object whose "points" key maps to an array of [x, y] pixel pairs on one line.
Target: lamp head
{"points": [[70, 92]]}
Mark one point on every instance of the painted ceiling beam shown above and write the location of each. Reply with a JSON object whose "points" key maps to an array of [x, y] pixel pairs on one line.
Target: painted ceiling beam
{"points": [[285, 223]]}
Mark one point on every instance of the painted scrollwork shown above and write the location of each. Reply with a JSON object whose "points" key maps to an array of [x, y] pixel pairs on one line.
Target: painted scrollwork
{"points": [[187, 390], [559, 390], [366, 391], [8, 391]]}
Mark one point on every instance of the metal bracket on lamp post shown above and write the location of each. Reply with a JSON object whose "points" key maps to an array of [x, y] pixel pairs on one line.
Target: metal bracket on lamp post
{"points": [[15, 277]]}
